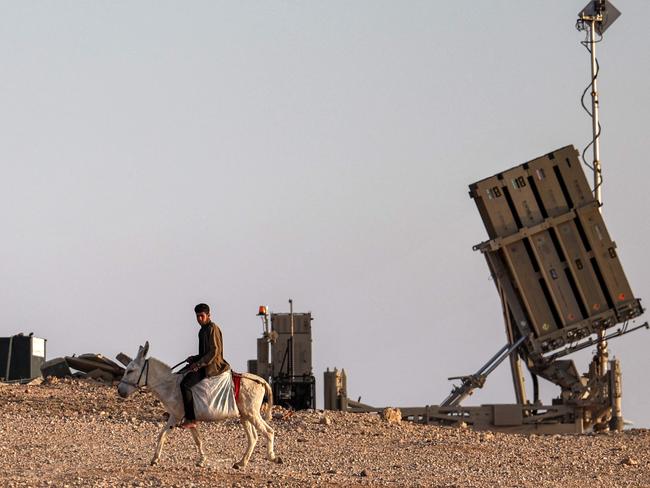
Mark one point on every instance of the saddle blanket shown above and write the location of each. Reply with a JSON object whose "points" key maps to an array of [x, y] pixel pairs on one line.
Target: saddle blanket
{"points": [[215, 397]]}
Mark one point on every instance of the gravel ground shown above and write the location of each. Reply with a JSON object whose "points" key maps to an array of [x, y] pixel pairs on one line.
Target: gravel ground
{"points": [[80, 433]]}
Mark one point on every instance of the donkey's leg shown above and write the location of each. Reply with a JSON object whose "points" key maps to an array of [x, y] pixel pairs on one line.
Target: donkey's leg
{"points": [[269, 433], [251, 436], [199, 444], [253, 431], [161, 439]]}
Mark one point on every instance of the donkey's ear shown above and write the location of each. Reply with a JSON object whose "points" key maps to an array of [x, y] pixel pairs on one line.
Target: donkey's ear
{"points": [[146, 349]]}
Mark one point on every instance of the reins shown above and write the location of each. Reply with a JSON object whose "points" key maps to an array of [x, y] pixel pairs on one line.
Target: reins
{"points": [[146, 378], [177, 365]]}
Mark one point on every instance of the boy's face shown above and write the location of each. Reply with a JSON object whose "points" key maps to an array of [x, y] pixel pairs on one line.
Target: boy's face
{"points": [[203, 317]]}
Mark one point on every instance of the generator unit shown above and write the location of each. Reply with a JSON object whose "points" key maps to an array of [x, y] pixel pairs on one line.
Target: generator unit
{"points": [[284, 358], [21, 357]]}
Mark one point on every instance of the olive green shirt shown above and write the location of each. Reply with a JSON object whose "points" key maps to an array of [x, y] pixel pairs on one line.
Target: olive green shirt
{"points": [[210, 354]]}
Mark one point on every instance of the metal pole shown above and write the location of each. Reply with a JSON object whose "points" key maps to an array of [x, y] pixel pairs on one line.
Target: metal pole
{"points": [[292, 331], [598, 179], [595, 124], [515, 365], [615, 395], [8, 366], [477, 380], [510, 350]]}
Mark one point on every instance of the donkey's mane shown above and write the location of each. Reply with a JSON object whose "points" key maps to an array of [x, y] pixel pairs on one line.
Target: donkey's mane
{"points": [[158, 361]]}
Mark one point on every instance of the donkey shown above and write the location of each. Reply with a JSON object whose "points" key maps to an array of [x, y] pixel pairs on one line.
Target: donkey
{"points": [[254, 394]]}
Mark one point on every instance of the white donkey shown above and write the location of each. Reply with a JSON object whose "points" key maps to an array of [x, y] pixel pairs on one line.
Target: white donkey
{"points": [[158, 377]]}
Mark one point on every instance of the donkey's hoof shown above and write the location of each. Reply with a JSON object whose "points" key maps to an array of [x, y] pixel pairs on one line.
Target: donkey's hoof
{"points": [[153, 462], [278, 460], [202, 463], [236, 466]]}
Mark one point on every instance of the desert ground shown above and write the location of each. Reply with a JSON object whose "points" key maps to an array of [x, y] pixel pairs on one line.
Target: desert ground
{"points": [[79, 433]]}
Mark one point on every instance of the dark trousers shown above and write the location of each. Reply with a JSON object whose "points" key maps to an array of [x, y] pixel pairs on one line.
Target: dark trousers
{"points": [[187, 383]]}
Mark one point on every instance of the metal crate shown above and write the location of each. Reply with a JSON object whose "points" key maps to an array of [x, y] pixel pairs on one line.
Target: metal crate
{"points": [[546, 228], [21, 357]]}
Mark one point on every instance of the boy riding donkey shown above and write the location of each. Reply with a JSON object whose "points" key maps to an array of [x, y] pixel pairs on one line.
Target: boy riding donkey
{"points": [[208, 362], [224, 395]]}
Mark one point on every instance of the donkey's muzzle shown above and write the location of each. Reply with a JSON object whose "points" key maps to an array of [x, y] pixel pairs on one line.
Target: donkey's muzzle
{"points": [[122, 391]]}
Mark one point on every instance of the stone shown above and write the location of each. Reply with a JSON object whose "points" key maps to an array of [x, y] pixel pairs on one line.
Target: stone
{"points": [[392, 415], [629, 461], [487, 436]]}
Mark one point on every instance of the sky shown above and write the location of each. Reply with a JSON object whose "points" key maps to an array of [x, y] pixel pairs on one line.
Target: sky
{"points": [[157, 154]]}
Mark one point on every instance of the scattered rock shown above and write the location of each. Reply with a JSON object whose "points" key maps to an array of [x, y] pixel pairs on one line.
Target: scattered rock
{"points": [[629, 461], [113, 441], [392, 415], [487, 436]]}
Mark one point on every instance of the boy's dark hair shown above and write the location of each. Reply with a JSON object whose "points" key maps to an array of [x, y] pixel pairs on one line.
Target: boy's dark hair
{"points": [[201, 308]]}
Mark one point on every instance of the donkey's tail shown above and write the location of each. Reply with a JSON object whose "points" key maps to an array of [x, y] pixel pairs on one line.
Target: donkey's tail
{"points": [[267, 403]]}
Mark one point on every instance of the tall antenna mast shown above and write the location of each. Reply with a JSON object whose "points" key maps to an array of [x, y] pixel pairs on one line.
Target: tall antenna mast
{"points": [[595, 18]]}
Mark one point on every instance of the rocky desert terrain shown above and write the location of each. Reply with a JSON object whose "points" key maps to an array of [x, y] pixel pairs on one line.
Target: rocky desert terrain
{"points": [[79, 433]]}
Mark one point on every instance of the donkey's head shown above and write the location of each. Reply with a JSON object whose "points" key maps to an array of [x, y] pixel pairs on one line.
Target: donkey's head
{"points": [[133, 376]]}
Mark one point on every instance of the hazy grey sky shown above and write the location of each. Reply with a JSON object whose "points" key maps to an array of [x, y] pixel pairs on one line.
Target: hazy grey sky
{"points": [[157, 154]]}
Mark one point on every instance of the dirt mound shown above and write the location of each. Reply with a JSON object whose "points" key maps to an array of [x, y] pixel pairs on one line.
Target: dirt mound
{"points": [[80, 433]]}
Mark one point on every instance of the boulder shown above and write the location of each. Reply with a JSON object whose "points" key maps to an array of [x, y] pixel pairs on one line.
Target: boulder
{"points": [[392, 415]]}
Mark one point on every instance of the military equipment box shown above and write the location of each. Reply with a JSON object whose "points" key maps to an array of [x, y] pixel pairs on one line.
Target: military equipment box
{"points": [[21, 357], [546, 228]]}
